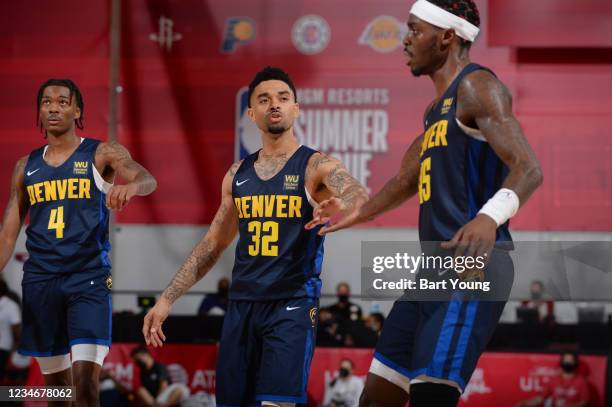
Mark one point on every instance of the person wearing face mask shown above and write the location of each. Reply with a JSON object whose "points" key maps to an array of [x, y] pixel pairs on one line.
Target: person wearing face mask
{"points": [[156, 389], [375, 322], [540, 300], [344, 308], [216, 303], [345, 388], [569, 389]]}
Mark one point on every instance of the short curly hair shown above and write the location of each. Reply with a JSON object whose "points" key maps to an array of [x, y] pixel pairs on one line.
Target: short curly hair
{"points": [[465, 9]]}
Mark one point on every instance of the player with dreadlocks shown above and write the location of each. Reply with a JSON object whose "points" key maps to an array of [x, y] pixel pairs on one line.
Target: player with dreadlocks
{"points": [[472, 168], [67, 187]]}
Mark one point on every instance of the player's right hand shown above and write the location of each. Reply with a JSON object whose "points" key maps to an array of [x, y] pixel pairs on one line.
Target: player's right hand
{"points": [[152, 327], [328, 208]]}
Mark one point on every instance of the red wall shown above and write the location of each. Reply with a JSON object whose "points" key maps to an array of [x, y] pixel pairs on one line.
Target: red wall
{"points": [[178, 106]]}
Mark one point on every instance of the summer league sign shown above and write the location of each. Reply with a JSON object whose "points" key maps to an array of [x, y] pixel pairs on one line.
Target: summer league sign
{"points": [[573, 271]]}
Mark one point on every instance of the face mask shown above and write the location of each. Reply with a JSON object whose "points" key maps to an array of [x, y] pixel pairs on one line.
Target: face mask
{"points": [[568, 367], [141, 364], [343, 298], [223, 291], [536, 296], [343, 372]]}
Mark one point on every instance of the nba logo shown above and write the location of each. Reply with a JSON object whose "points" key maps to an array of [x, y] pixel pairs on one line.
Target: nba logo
{"points": [[248, 138], [238, 31]]}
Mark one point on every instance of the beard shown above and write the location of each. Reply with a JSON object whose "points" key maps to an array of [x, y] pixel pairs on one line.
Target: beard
{"points": [[277, 129], [417, 70]]}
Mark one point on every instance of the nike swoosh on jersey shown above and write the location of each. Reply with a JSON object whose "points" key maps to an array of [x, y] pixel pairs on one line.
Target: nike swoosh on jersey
{"points": [[32, 172], [291, 308], [241, 182]]}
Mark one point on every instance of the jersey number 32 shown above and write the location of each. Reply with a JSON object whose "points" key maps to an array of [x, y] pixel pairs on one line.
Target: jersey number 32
{"points": [[264, 237]]}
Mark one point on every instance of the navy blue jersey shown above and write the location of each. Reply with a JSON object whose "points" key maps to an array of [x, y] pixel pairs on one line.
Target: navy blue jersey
{"points": [[276, 258], [68, 230], [459, 172]]}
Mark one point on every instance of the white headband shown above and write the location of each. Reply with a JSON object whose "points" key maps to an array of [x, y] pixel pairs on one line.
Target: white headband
{"points": [[443, 19]]}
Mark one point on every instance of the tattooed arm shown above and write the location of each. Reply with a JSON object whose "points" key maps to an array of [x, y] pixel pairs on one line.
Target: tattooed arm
{"points": [[14, 213], [203, 257], [113, 158], [348, 195], [396, 191], [485, 103]]}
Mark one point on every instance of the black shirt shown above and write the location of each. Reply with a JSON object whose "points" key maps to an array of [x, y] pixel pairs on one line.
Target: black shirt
{"points": [[152, 378]]}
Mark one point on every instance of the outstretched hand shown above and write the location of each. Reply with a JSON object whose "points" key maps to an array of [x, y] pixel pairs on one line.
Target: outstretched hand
{"points": [[119, 196], [152, 327], [326, 210]]}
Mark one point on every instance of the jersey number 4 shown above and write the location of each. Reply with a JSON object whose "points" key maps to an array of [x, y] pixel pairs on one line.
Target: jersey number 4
{"points": [[264, 237], [56, 221]]}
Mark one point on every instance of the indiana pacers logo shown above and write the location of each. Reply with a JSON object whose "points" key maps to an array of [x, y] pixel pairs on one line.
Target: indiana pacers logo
{"points": [[313, 315], [109, 282], [238, 31]]}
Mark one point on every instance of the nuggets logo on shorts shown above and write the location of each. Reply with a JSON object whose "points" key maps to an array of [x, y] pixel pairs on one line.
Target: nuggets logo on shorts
{"points": [[313, 315], [238, 31], [291, 182], [109, 282], [383, 34]]}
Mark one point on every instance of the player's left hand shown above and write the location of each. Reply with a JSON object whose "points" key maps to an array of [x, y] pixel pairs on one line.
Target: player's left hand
{"points": [[118, 196], [152, 326], [475, 238]]}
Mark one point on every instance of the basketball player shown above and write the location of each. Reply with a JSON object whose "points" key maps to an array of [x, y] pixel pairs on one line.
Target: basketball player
{"points": [[67, 188], [472, 168], [269, 330]]}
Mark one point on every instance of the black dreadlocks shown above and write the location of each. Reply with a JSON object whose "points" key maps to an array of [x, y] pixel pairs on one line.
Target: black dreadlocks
{"points": [[74, 90]]}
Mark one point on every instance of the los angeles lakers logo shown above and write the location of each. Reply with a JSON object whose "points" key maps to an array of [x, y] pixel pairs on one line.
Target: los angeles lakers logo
{"points": [[109, 282], [313, 315], [383, 34]]}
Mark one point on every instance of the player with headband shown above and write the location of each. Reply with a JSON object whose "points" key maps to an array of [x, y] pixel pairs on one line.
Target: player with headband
{"points": [[472, 169]]}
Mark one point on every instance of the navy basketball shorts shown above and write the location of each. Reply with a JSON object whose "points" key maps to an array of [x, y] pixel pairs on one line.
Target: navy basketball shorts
{"points": [[439, 339], [265, 351], [66, 310]]}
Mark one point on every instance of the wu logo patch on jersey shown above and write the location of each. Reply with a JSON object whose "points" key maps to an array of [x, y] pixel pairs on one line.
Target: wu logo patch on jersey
{"points": [[446, 105], [247, 138], [80, 167], [238, 31], [383, 34], [291, 182], [109, 282]]}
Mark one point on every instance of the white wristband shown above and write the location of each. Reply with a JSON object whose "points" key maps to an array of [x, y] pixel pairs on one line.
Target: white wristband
{"points": [[502, 206]]}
